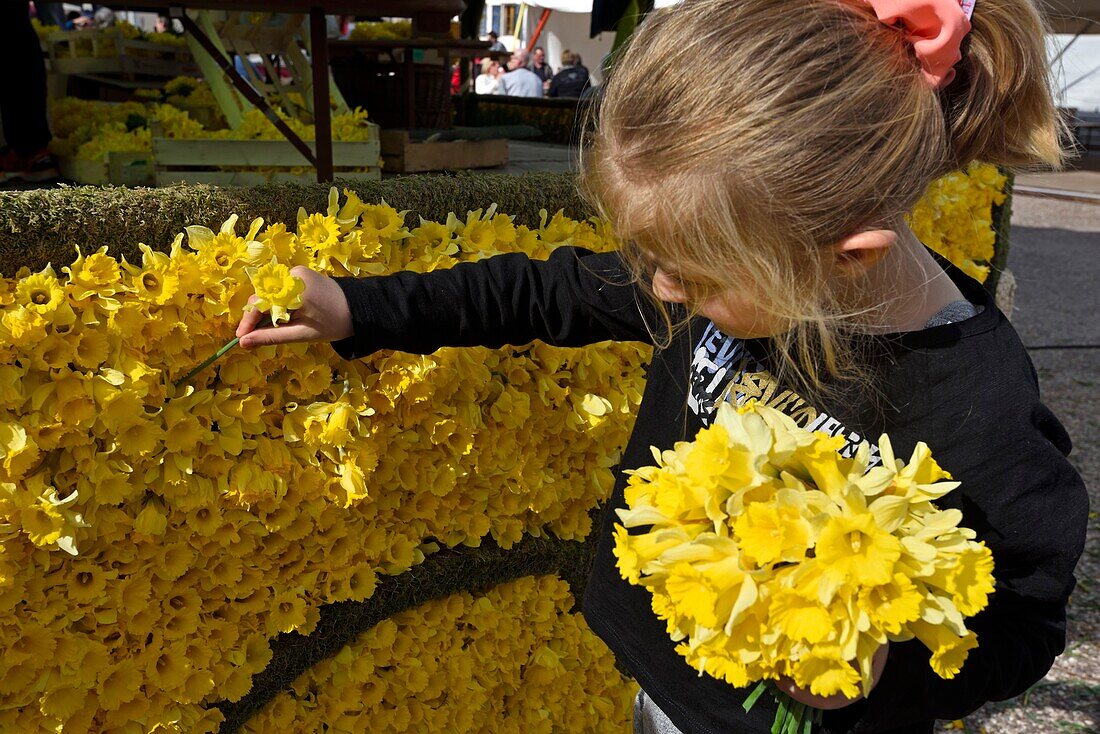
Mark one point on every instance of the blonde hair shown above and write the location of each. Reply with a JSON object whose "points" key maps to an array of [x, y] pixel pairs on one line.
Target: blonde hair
{"points": [[809, 122]]}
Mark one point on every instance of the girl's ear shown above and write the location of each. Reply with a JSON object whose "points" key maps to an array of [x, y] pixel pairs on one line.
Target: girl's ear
{"points": [[857, 253]]}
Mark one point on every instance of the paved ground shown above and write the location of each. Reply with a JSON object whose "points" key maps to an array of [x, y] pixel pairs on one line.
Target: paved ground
{"points": [[1081, 181]]}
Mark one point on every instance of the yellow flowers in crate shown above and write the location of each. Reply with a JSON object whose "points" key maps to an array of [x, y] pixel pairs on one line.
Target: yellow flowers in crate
{"points": [[514, 659], [208, 518], [770, 555], [386, 30], [89, 130]]}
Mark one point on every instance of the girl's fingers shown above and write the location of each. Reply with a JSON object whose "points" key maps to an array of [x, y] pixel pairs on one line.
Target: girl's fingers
{"points": [[285, 334], [250, 319]]}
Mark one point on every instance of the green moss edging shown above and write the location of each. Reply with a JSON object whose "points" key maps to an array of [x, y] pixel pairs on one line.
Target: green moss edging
{"points": [[1002, 223], [43, 226], [448, 572]]}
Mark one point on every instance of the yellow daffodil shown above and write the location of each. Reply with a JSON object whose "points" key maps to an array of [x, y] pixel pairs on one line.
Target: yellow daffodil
{"points": [[18, 452], [800, 616], [776, 531], [852, 547], [156, 280], [381, 221], [42, 294], [949, 651], [277, 291], [317, 231], [825, 672], [892, 605]]}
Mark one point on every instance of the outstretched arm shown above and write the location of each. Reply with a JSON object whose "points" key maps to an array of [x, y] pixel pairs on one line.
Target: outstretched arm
{"points": [[576, 297]]}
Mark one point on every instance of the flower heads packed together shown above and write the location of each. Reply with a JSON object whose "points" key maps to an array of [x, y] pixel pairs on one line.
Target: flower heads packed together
{"points": [[515, 657], [769, 555], [89, 129], [955, 217], [154, 538]]}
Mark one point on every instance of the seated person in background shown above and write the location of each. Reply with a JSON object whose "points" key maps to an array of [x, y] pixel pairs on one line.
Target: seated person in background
{"points": [[488, 81], [572, 80], [520, 81]]}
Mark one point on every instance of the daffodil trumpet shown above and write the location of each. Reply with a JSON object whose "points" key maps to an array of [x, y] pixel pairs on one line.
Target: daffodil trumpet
{"points": [[217, 355]]}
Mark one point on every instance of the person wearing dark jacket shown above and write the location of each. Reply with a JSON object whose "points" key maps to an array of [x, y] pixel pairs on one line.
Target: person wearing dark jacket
{"points": [[539, 66], [573, 78]]}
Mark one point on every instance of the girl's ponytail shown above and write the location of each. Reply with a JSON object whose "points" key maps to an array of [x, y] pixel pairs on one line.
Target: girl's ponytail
{"points": [[999, 107]]}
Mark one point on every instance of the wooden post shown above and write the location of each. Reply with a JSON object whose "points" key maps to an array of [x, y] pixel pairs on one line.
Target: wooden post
{"points": [[322, 113], [538, 29], [410, 88]]}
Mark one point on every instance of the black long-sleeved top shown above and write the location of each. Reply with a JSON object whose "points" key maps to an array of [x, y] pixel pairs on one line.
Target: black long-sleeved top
{"points": [[968, 390]]}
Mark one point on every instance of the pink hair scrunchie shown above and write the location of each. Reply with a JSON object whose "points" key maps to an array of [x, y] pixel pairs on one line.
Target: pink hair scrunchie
{"points": [[935, 29]]}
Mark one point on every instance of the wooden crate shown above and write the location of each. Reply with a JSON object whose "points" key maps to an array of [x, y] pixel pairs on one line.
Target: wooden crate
{"points": [[401, 154], [119, 169], [127, 58], [251, 162]]}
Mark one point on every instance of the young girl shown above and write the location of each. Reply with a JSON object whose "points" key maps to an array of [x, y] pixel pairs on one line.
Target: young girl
{"points": [[761, 204]]}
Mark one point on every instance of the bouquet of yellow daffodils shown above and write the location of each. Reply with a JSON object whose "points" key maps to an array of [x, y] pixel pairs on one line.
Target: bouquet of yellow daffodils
{"points": [[769, 555]]}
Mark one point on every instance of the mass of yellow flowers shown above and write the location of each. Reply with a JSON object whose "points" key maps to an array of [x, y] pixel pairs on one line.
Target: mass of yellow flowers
{"points": [[88, 130], [104, 44], [514, 660], [770, 555], [153, 539], [385, 30], [954, 217]]}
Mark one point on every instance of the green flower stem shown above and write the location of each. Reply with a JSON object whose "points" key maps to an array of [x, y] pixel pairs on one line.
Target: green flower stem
{"points": [[209, 361], [792, 717], [794, 723], [808, 722], [216, 356], [756, 693], [781, 716]]}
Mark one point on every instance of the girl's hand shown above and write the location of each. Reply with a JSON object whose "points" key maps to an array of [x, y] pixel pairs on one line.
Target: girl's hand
{"points": [[323, 316], [837, 700]]}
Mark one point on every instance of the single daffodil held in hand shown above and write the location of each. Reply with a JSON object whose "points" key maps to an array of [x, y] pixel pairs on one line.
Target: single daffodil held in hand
{"points": [[277, 291], [311, 306]]}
